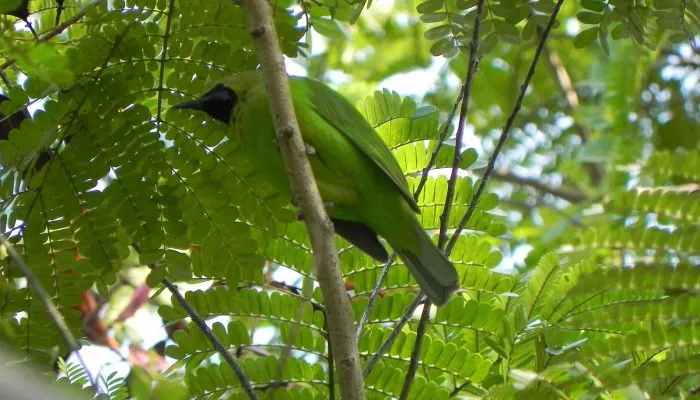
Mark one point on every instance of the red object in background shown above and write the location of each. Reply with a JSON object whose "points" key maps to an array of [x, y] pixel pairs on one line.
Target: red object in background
{"points": [[96, 331], [138, 299]]}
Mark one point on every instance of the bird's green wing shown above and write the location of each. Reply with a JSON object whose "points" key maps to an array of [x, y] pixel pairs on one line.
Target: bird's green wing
{"points": [[346, 119]]}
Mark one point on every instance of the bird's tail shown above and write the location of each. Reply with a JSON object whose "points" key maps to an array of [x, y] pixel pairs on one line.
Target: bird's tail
{"points": [[431, 268]]}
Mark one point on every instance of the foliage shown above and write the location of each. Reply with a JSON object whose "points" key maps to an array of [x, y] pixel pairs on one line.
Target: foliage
{"points": [[103, 182]]}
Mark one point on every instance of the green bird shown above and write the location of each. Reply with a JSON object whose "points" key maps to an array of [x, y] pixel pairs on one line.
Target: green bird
{"points": [[360, 181]]}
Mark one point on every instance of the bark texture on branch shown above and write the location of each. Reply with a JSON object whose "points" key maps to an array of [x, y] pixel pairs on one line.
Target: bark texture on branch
{"points": [[340, 315]]}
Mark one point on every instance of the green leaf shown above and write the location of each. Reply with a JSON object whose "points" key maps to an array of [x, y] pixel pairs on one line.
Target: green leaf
{"points": [[594, 5], [437, 32], [433, 17], [585, 37], [329, 27], [429, 6], [588, 17], [7, 6], [544, 6], [666, 4], [468, 158]]}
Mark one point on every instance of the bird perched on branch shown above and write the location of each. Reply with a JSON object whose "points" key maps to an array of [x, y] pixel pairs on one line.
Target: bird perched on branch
{"points": [[360, 182]]}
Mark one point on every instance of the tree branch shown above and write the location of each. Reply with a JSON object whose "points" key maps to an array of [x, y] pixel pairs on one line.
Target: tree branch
{"points": [[443, 136], [319, 226], [459, 388], [49, 306], [417, 346], [451, 183], [466, 92], [394, 334], [562, 79], [225, 354], [506, 130], [572, 196], [566, 87], [41, 293], [373, 297]]}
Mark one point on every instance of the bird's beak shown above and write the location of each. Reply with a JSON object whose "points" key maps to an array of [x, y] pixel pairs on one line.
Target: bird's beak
{"points": [[218, 103], [201, 103], [196, 104]]}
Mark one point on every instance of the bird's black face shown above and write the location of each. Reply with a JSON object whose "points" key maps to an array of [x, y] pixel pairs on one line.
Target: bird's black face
{"points": [[218, 103]]}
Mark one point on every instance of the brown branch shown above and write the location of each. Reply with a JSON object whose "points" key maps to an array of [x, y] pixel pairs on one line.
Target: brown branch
{"points": [[42, 294], [319, 226], [373, 297], [506, 130], [202, 325], [572, 196], [223, 351], [49, 305], [418, 345], [562, 78], [441, 142], [445, 216], [394, 334], [568, 92], [466, 93]]}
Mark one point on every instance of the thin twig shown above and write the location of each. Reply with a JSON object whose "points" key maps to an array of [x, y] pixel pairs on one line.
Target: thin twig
{"points": [[225, 354], [57, 30], [340, 314], [394, 334], [441, 141], [417, 347], [571, 100], [5, 79], [506, 130], [563, 80], [466, 93], [572, 196], [459, 388], [41, 293], [451, 183], [201, 324], [373, 297], [49, 306]]}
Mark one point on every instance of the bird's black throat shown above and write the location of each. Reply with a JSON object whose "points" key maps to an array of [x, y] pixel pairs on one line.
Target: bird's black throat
{"points": [[218, 103]]}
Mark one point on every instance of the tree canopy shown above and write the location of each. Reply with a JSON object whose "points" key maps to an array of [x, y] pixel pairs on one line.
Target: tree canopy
{"points": [[553, 148]]}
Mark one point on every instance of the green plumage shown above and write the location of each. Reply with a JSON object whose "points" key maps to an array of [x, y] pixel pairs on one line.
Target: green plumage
{"points": [[353, 167]]}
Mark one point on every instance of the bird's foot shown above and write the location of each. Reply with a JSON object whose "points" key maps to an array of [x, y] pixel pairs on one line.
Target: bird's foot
{"points": [[326, 206], [310, 151]]}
